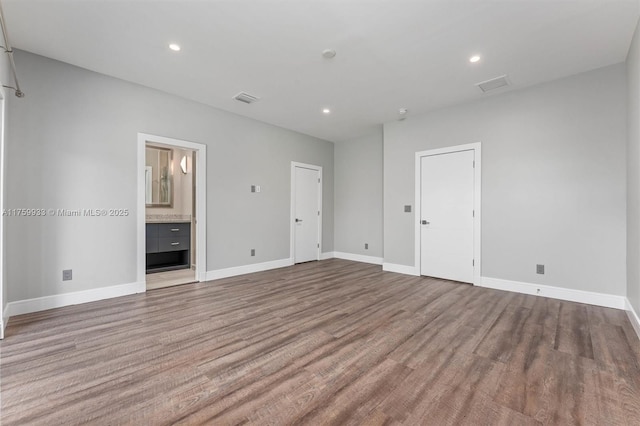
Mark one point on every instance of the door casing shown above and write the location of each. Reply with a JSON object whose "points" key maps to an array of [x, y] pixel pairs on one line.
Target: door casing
{"points": [[477, 220], [201, 201]]}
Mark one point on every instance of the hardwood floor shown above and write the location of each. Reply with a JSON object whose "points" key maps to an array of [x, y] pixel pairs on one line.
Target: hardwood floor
{"points": [[331, 342]]}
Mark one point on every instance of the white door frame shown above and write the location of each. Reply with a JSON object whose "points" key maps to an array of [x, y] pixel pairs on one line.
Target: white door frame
{"points": [[201, 202], [477, 235], [3, 312], [292, 239]]}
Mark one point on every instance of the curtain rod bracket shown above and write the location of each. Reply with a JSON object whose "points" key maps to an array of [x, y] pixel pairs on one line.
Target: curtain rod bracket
{"points": [[9, 51]]}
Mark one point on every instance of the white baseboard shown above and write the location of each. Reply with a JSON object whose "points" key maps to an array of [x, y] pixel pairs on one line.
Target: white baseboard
{"points": [[358, 257], [588, 297], [327, 255], [400, 269], [633, 317], [247, 269], [4, 320], [59, 300]]}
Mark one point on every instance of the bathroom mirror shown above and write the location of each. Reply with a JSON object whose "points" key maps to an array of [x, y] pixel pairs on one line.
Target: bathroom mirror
{"points": [[158, 177]]}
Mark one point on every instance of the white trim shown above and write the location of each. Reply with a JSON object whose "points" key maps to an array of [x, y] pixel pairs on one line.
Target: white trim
{"points": [[324, 256], [358, 257], [247, 269], [201, 201], [633, 317], [4, 317], [400, 269], [292, 214], [580, 296], [477, 203], [66, 299]]}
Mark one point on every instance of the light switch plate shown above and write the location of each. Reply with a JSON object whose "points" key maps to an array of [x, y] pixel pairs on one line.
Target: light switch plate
{"points": [[407, 209], [67, 275]]}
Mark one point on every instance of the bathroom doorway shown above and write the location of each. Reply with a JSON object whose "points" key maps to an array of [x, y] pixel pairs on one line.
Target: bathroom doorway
{"points": [[171, 245]]}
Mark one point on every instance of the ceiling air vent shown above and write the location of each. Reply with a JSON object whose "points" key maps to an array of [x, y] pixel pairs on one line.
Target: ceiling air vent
{"points": [[246, 98], [494, 83]]}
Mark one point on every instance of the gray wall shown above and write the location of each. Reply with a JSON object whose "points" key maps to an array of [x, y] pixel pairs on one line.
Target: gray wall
{"points": [[358, 195], [73, 144], [553, 180], [633, 172]]}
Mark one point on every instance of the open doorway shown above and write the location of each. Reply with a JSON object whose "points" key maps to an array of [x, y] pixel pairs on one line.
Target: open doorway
{"points": [[171, 238]]}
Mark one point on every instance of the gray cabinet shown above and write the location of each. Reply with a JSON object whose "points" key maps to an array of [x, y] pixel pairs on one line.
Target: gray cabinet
{"points": [[168, 246]]}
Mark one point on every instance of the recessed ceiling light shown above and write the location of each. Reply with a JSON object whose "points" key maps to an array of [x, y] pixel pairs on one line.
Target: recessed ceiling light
{"points": [[326, 111], [175, 47], [474, 59]]}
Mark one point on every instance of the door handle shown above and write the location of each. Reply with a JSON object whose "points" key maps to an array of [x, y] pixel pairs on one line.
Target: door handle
{"points": [[424, 222], [298, 220]]}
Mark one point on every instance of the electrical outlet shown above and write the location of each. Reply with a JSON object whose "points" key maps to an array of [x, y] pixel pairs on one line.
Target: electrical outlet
{"points": [[67, 275], [407, 209], [253, 252], [366, 246], [540, 269], [253, 188]]}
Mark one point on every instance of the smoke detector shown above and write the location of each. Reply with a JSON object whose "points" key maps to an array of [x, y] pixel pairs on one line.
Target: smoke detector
{"points": [[494, 83], [329, 53], [246, 98]]}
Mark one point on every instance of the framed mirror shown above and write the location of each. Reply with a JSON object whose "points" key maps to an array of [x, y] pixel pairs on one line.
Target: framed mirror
{"points": [[158, 177]]}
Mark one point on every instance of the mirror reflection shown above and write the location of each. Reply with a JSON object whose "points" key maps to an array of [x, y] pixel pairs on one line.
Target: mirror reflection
{"points": [[158, 177]]}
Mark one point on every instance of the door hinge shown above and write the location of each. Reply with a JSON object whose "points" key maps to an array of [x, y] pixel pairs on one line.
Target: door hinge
{"points": [[473, 213], [474, 164], [318, 245], [318, 180], [473, 262], [318, 212]]}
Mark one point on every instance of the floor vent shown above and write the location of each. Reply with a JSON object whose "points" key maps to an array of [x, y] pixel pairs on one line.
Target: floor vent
{"points": [[494, 83], [246, 98]]}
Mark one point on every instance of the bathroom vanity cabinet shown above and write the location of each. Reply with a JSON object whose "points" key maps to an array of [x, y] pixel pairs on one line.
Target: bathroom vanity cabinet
{"points": [[168, 246]]}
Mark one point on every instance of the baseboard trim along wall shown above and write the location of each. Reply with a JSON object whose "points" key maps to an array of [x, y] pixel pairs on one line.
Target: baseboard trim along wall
{"points": [[59, 300], [633, 317], [588, 297], [4, 320], [400, 269], [247, 269], [326, 255], [358, 257]]}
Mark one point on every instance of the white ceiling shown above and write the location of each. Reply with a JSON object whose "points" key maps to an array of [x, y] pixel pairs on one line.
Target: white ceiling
{"points": [[390, 53]]}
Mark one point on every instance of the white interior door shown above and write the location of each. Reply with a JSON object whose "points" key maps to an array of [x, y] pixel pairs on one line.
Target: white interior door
{"points": [[446, 223], [306, 214]]}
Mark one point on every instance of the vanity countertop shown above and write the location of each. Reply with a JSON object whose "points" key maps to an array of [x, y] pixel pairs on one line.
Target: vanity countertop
{"points": [[168, 218]]}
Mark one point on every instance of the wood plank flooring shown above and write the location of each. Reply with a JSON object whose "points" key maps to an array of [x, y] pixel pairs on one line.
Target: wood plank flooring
{"points": [[331, 342]]}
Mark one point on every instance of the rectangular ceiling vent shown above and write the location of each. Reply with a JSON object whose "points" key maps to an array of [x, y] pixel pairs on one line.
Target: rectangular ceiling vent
{"points": [[246, 98], [494, 83]]}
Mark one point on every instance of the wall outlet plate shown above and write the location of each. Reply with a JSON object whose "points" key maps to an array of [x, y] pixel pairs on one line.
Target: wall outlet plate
{"points": [[67, 275], [407, 209], [253, 252], [540, 269], [366, 246]]}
